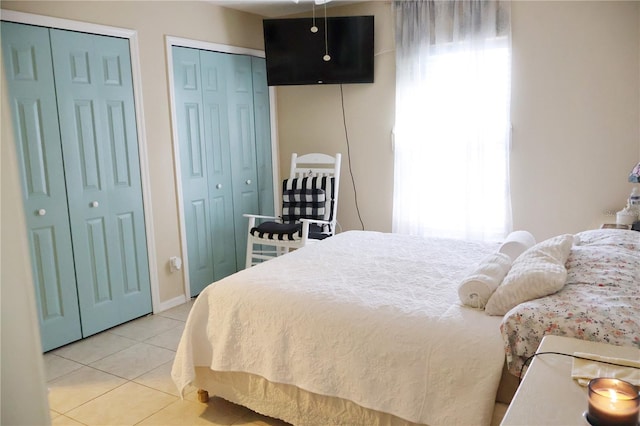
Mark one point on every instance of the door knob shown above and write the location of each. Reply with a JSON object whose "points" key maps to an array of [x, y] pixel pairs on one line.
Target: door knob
{"points": [[94, 204], [42, 212], [248, 182], [218, 186]]}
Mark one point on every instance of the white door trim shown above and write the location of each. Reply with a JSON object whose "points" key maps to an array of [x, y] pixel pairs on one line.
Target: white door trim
{"points": [[132, 36], [172, 41]]}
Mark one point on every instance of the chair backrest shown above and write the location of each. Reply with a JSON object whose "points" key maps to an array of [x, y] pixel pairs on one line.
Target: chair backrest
{"points": [[303, 199], [326, 171], [314, 165]]}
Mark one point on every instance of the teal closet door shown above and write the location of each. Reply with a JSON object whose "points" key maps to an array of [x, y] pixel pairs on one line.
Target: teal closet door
{"points": [[243, 147], [221, 101], [215, 81], [27, 60], [193, 166], [261, 108], [99, 140]]}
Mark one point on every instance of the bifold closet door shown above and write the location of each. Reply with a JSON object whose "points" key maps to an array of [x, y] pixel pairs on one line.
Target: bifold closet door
{"points": [[203, 107], [242, 140], [262, 107], [99, 139], [224, 164], [28, 68], [74, 120], [194, 165]]}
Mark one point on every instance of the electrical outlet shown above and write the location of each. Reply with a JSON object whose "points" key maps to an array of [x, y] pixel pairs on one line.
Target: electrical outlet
{"points": [[175, 263]]}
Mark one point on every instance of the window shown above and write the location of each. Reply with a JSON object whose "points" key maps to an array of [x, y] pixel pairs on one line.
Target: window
{"points": [[452, 135]]}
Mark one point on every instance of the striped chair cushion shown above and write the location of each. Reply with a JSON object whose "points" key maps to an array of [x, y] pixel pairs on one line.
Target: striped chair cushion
{"points": [[278, 231]]}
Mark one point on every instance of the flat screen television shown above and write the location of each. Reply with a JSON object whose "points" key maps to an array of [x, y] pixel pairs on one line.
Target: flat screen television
{"points": [[295, 54]]}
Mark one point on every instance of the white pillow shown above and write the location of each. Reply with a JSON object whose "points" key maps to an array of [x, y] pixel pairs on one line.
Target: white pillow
{"points": [[537, 272]]}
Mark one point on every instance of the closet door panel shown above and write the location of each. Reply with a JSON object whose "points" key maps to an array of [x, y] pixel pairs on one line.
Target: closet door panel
{"points": [[215, 82], [243, 147], [261, 107], [98, 278], [27, 60], [126, 215], [193, 165], [99, 140]]}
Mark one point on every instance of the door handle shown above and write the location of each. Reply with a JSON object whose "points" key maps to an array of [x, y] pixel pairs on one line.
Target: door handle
{"points": [[94, 204], [248, 182], [42, 212], [219, 186]]}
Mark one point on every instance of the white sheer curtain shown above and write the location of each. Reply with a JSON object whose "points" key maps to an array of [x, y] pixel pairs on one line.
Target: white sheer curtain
{"points": [[452, 130]]}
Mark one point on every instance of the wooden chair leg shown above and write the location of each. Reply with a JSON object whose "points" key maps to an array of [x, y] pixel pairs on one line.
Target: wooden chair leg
{"points": [[203, 396]]}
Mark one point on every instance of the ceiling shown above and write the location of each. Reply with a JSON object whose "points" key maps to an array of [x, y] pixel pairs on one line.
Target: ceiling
{"points": [[278, 8]]}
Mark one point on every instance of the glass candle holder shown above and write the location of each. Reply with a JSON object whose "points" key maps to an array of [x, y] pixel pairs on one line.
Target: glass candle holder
{"points": [[613, 402]]}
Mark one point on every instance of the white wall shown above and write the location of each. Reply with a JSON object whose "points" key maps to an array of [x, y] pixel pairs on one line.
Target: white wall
{"points": [[575, 108], [23, 398], [575, 112]]}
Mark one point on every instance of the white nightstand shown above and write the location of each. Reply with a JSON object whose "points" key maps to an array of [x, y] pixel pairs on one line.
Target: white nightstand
{"points": [[547, 394]]}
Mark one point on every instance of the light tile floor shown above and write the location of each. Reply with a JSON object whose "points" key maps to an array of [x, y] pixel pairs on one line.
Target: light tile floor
{"points": [[122, 377]]}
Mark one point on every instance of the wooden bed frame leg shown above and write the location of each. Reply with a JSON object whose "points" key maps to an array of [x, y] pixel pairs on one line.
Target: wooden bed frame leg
{"points": [[203, 396]]}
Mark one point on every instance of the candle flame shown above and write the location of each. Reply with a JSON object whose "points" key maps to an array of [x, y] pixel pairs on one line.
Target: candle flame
{"points": [[613, 395]]}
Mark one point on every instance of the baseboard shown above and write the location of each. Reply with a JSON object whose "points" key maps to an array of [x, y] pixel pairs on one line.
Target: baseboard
{"points": [[172, 303]]}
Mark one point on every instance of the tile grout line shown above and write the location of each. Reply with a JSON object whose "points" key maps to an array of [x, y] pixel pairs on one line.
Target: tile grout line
{"points": [[86, 402], [126, 380]]}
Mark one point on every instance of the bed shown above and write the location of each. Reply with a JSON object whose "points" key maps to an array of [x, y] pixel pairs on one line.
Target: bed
{"points": [[362, 328], [600, 300]]}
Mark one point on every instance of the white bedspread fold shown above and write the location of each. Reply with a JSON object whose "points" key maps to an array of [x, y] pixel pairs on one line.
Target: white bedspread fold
{"points": [[364, 316]]}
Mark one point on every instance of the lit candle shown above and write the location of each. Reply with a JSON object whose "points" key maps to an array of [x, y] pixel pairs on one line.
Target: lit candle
{"points": [[613, 402]]}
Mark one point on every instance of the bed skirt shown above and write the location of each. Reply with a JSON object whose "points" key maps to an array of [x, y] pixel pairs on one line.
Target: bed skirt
{"points": [[299, 407]]}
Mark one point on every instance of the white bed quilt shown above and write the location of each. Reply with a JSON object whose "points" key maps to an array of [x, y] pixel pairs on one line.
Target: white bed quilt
{"points": [[369, 317]]}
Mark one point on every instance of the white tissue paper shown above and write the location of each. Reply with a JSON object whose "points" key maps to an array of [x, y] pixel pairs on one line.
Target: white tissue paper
{"points": [[584, 370]]}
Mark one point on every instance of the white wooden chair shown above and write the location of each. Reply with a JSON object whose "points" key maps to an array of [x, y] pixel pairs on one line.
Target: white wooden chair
{"points": [[309, 209]]}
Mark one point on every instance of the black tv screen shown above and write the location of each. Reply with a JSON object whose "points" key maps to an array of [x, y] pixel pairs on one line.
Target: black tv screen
{"points": [[294, 54]]}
